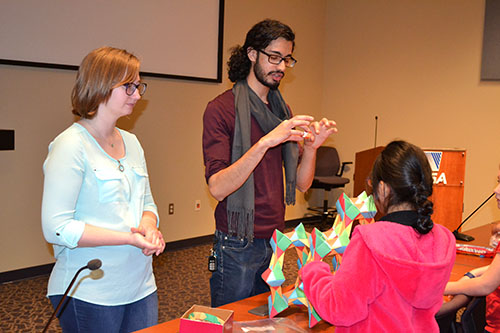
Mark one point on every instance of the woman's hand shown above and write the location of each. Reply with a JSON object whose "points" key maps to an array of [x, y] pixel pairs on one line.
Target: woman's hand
{"points": [[150, 233], [138, 240]]}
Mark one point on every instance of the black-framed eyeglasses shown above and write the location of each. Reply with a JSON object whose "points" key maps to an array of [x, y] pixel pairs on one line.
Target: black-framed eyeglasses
{"points": [[131, 87], [277, 59]]}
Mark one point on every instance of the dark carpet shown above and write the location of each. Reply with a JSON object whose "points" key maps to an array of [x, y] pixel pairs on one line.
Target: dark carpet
{"points": [[182, 278]]}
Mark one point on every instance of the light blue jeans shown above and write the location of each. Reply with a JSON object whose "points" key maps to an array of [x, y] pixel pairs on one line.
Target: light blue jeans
{"points": [[240, 265], [80, 316]]}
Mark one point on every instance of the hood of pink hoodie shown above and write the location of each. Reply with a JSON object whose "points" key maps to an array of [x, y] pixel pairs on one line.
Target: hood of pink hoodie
{"points": [[419, 265]]}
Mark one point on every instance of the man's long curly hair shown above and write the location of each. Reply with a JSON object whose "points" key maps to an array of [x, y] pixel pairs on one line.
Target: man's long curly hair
{"points": [[258, 38]]}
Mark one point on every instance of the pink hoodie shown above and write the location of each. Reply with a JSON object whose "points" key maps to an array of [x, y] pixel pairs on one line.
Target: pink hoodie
{"points": [[391, 280]]}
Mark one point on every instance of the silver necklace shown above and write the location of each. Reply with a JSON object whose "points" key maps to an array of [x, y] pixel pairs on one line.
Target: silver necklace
{"points": [[120, 166], [95, 135]]}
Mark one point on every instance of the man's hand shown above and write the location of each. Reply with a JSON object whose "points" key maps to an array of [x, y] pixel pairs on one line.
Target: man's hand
{"points": [[286, 131], [319, 132]]}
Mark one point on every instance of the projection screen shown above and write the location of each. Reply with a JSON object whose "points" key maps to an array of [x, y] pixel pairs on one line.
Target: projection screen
{"points": [[180, 39]]}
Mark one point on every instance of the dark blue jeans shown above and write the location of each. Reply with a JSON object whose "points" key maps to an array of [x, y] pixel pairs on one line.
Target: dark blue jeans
{"points": [[240, 265], [80, 316]]}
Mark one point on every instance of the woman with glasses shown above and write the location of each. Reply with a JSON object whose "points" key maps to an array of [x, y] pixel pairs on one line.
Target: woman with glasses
{"points": [[97, 204]]}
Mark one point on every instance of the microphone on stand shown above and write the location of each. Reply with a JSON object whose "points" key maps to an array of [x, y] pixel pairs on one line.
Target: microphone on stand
{"points": [[92, 265], [376, 125], [464, 237]]}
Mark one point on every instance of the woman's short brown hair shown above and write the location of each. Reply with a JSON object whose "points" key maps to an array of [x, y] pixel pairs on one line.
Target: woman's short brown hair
{"points": [[101, 70]]}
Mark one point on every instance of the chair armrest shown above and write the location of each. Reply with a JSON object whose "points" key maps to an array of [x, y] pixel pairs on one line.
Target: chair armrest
{"points": [[341, 172]]}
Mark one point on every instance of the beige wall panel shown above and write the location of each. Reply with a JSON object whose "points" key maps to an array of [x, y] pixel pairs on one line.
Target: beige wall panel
{"points": [[168, 122], [416, 65]]}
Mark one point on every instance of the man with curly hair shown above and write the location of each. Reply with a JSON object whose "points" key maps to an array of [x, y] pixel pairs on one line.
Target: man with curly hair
{"points": [[249, 135]]}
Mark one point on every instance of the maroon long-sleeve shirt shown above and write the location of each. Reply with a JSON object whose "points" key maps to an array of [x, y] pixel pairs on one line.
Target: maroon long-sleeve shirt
{"points": [[218, 132]]}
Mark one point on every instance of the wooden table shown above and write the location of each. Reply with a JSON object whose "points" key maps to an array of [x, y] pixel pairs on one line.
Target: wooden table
{"points": [[463, 264]]}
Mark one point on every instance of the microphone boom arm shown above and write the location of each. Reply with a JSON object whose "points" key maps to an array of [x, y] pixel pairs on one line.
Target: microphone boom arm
{"points": [[464, 237], [92, 265]]}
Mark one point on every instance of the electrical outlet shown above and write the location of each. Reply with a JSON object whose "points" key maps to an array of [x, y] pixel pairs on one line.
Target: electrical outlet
{"points": [[170, 209], [197, 205]]}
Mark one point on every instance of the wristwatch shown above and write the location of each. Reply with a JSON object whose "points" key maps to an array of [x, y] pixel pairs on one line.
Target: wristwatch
{"points": [[470, 275]]}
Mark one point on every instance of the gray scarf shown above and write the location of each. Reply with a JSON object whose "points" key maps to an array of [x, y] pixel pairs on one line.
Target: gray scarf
{"points": [[241, 203]]}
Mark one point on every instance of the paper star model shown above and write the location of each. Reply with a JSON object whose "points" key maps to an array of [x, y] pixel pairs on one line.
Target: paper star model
{"points": [[314, 246]]}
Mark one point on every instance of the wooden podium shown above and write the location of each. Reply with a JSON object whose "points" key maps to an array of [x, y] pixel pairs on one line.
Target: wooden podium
{"points": [[448, 189], [363, 164], [448, 171]]}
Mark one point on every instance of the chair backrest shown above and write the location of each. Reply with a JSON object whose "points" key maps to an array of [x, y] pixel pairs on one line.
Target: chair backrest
{"points": [[474, 317], [446, 322], [327, 162]]}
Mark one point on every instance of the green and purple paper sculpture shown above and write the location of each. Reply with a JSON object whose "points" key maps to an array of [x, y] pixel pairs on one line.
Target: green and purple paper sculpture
{"points": [[313, 246]]}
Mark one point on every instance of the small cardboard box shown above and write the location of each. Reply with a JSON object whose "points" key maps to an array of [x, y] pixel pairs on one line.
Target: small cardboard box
{"points": [[194, 326]]}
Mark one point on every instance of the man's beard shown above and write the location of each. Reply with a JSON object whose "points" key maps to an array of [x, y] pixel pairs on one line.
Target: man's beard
{"points": [[261, 77]]}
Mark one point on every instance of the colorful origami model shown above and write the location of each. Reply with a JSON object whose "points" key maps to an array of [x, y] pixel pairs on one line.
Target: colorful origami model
{"points": [[206, 317], [312, 247]]}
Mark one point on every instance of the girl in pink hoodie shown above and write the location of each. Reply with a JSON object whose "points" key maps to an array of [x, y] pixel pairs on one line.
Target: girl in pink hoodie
{"points": [[394, 271]]}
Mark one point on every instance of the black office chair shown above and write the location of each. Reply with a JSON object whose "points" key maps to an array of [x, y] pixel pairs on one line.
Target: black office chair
{"points": [[327, 176], [473, 319]]}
